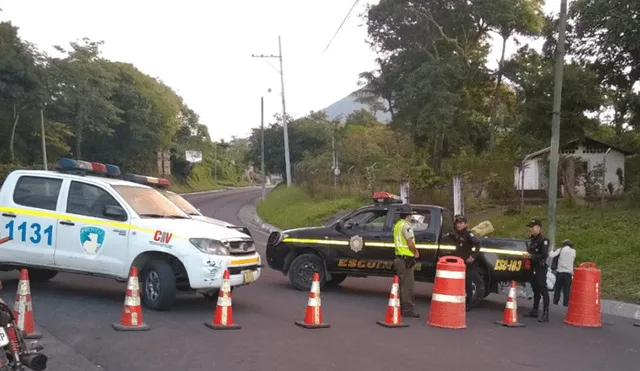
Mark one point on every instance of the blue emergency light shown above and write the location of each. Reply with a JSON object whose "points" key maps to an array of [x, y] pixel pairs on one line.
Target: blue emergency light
{"points": [[67, 164], [146, 180]]}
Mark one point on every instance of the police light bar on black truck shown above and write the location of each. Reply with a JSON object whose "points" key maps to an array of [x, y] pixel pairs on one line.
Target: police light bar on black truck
{"points": [[386, 198]]}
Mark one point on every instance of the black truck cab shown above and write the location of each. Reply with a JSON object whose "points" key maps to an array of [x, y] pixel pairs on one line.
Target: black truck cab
{"points": [[360, 244]]}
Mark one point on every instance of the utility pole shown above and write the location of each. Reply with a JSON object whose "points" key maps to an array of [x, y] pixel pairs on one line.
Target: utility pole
{"points": [[555, 124], [44, 140], [264, 192], [284, 109]]}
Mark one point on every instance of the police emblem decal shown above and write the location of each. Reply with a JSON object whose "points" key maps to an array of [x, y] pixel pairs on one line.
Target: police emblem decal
{"points": [[355, 243], [92, 240]]}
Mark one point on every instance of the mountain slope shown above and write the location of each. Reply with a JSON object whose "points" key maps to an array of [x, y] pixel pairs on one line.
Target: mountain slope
{"points": [[347, 105]]}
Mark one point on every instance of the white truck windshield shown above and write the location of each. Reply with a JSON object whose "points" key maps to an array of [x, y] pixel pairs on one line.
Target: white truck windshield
{"points": [[183, 204], [147, 202]]}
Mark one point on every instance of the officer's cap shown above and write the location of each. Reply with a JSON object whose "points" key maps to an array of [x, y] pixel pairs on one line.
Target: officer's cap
{"points": [[567, 243], [405, 210], [534, 222], [459, 218]]}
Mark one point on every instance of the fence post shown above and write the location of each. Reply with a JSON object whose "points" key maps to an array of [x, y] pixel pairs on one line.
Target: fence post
{"points": [[458, 198], [404, 191]]}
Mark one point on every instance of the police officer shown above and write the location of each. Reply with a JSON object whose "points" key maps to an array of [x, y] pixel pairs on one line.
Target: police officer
{"points": [[538, 252], [406, 254], [467, 248]]}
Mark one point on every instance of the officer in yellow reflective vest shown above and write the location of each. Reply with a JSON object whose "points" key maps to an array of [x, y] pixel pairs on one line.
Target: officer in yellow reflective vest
{"points": [[405, 259]]}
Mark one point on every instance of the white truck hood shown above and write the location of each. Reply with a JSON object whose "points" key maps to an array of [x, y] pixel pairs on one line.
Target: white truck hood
{"points": [[190, 228], [212, 221]]}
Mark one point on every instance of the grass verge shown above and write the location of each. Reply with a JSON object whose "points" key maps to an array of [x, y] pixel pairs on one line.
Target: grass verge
{"points": [[611, 241], [292, 208]]}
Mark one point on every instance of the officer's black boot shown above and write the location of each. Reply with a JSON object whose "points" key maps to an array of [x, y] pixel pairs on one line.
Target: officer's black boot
{"points": [[545, 315], [533, 313]]}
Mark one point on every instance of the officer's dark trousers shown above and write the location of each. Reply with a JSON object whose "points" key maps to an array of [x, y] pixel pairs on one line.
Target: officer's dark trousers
{"points": [[539, 285], [563, 284], [407, 279]]}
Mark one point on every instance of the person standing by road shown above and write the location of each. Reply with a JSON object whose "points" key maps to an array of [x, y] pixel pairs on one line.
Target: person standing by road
{"points": [[566, 257], [467, 247], [538, 252], [406, 254]]}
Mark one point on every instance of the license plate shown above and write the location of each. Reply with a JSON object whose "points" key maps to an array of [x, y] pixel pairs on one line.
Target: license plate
{"points": [[4, 338], [248, 276]]}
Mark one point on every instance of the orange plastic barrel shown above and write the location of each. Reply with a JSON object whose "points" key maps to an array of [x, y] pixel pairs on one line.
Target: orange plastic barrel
{"points": [[584, 300], [448, 298]]}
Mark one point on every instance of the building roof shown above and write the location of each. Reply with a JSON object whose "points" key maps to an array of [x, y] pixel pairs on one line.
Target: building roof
{"points": [[592, 141], [574, 143]]}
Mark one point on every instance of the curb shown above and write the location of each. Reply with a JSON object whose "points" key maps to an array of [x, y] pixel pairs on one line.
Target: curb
{"points": [[621, 309], [250, 211]]}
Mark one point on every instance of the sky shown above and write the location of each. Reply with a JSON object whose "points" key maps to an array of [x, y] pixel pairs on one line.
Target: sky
{"points": [[203, 48]]}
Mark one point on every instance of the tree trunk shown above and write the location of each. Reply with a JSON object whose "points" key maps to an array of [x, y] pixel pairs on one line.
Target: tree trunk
{"points": [[16, 119], [496, 93]]}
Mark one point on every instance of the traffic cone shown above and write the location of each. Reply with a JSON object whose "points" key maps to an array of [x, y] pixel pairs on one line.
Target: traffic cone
{"points": [[131, 319], [223, 316], [393, 317], [510, 316], [313, 314], [23, 309]]}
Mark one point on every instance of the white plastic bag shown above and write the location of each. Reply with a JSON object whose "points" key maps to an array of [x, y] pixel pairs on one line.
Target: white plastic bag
{"points": [[551, 279]]}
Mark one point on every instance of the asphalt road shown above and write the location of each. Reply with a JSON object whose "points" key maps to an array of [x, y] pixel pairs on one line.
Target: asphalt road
{"points": [[75, 313]]}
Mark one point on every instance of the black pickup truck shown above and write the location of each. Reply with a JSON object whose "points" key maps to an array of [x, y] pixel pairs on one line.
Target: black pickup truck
{"points": [[360, 244]]}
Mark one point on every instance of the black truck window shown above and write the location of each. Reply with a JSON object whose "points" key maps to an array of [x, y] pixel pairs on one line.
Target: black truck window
{"points": [[447, 222], [367, 221]]}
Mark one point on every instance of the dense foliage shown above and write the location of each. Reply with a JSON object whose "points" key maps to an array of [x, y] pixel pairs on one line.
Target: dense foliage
{"points": [[453, 114], [95, 109]]}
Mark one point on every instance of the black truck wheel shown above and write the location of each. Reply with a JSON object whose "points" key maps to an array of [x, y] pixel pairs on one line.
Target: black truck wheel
{"points": [[302, 269], [477, 288], [336, 279], [41, 275], [158, 285]]}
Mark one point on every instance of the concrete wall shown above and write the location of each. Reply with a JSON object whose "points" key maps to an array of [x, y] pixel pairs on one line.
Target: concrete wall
{"points": [[532, 179]]}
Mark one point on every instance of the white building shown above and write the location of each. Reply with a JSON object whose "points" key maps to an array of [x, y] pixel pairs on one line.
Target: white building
{"points": [[591, 156]]}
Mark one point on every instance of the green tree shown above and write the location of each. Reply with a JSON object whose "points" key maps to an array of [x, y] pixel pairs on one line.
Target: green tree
{"points": [[606, 38]]}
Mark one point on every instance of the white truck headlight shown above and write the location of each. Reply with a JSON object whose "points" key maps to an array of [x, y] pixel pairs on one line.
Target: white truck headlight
{"points": [[209, 246]]}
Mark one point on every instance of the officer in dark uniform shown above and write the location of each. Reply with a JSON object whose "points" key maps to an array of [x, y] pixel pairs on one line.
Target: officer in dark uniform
{"points": [[467, 248], [538, 252]]}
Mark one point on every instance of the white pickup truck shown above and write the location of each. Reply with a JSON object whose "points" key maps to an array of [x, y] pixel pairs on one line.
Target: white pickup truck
{"points": [[84, 218]]}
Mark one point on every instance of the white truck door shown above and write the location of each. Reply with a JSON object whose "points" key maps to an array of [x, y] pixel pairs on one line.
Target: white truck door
{"points": [[88, 240], [29, 219]]}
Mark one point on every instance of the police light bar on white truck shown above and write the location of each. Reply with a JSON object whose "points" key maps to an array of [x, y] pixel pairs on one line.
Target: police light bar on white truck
{"points": [[386, 198], [97, 168], [146, 180]]}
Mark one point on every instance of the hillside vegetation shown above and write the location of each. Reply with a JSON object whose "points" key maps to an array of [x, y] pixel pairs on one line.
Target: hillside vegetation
{"points": [[609, 242], [94, 109]]}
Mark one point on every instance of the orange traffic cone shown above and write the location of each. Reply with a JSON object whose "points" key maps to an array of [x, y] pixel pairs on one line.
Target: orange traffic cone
{"points": [[131, 319], [313, 314], [510, 316], [23, 309], [393, 317], [223, 316]]}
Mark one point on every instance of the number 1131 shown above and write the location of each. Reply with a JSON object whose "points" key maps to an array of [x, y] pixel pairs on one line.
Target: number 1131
{"points": [[36, 232]]}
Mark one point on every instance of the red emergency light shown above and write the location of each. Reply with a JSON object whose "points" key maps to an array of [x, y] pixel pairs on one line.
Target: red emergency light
{"points": [[98, 167], [386, 197]]}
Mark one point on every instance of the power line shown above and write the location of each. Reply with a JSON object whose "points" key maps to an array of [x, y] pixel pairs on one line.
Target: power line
{"points": [[341, 24]]}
